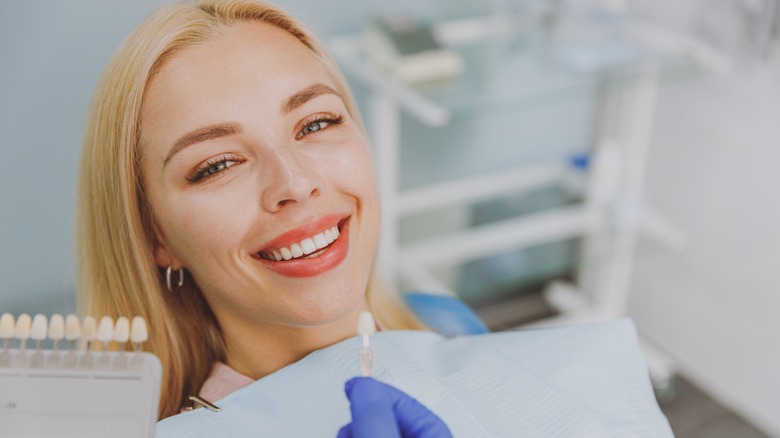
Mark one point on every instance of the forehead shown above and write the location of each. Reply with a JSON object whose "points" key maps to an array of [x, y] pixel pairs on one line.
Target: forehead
{"points": [[248, 66]]}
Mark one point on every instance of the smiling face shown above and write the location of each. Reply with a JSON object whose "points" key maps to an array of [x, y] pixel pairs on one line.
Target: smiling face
{"points": [[260, 182]]}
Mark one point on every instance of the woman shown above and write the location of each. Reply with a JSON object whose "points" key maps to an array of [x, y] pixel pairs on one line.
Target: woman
{"points": [[227, 195], [205, 163]]}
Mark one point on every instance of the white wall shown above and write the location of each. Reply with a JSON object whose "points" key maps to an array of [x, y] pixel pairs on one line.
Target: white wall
{"points": [[715, 306], [713, 169], [51, 53]]}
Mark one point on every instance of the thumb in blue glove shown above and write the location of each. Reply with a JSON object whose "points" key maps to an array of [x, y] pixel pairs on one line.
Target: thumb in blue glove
{"points": [[382, 411]]}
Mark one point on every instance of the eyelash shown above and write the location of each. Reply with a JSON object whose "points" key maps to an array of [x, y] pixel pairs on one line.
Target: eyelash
{"points": [[203, 170], [329, 119]]}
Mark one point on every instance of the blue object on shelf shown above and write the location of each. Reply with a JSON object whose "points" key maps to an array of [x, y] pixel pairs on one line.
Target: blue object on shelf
{"points": [[580, 161], [445, 314]]}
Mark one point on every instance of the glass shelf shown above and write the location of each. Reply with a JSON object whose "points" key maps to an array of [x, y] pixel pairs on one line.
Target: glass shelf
{"points": [[509, 71]]}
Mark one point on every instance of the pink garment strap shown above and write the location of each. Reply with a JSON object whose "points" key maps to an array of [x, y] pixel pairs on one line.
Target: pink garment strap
{"points": [[222, 381]]}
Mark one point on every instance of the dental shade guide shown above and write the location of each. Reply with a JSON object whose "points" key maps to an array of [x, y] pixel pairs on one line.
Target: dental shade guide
{"points": [[38, 332], [22, 333], [88, 332], [121, 336], [104, 335], [56, 334], [7, 324], [72, 334], [365, 328], [39, 385]]}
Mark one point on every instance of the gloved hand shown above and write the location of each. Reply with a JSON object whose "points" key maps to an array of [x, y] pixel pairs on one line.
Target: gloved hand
{"points": [[382, 411]]}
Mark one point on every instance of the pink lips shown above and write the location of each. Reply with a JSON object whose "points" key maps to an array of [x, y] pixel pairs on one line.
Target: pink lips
{"points": [[332, 256]]}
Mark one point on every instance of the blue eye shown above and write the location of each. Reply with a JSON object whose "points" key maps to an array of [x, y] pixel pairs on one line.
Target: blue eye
{"points": [[319, 125], [218, 167], [213, 167], [312, 127]]}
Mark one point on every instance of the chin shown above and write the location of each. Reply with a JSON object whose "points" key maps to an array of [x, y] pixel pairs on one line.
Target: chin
{"points": [[319, 313]]}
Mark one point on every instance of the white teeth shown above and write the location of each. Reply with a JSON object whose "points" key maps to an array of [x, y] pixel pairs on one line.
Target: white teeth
{"points": [[315, 255], [308, 246], [320, 241], [296, 250]]}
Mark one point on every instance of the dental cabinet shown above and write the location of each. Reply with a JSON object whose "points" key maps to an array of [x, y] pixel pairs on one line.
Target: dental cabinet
{"points": [[586, 91]]}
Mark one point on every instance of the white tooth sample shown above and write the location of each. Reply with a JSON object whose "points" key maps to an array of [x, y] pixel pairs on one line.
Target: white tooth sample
{"points": [[296, 250], [277, 256], [122, 330], [22, 327], [56, 327], [72, 328], [286, 254], [366, 325], [105, 331], [88, 329], [138, 331], [7, 324], [328, 235], [308, 246], [335, 232], [320, 241], [39, 327]]}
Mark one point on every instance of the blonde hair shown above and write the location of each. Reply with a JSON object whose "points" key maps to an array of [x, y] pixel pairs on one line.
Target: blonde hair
{"points": [[115, 227]]}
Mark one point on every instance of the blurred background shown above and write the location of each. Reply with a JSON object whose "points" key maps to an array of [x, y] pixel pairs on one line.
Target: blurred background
{"points": [[547, 161]]}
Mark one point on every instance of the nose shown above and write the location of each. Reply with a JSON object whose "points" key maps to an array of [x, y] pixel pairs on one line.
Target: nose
{"points": [[288, 180]]}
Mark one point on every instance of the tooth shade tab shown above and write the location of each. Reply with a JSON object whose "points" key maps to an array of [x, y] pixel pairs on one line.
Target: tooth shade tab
{"points": [[72, 328], [40, 325], [7, 324], [22, 327], [105, 331], [307, 246], [138, 331], [56, 327], [88, 329], [366, 325], [122, 330]]}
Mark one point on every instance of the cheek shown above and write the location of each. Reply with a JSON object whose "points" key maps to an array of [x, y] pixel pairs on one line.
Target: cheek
{"points": [[198, 225]]}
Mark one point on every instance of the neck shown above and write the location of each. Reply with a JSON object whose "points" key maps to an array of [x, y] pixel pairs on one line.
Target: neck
{"points": [[259, 349]]}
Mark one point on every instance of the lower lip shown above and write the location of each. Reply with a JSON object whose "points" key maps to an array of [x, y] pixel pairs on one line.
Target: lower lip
{"points": [[303, 267]]}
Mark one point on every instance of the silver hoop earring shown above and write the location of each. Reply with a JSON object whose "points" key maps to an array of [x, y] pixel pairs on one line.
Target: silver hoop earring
{"points": [[168, 278]]}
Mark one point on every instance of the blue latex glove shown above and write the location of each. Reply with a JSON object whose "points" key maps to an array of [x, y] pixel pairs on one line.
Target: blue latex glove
{"points": [[382, 411]]}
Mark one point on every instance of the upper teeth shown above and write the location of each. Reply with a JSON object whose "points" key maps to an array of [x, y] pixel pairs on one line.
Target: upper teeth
{"points": [[306, 246]]}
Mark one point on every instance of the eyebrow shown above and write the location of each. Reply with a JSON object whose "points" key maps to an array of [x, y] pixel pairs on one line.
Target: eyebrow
{"points": [[225, 129], [203, 134], [307, 94]]}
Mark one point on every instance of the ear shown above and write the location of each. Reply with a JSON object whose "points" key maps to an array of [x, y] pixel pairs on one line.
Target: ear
{"points": [[163, 257]]}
